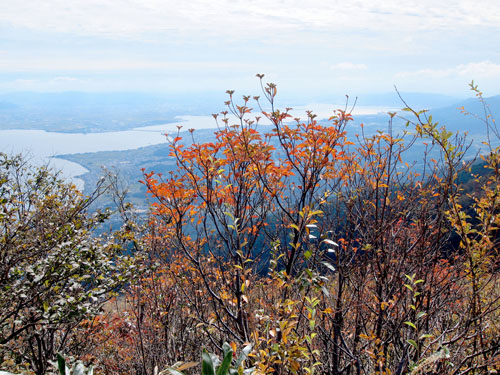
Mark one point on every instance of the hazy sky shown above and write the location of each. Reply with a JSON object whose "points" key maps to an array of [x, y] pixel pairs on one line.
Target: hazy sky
{"points": [[191, 45]]}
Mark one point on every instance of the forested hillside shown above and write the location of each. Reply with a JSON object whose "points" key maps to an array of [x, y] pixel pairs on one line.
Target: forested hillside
{"points": [[303, 249]]}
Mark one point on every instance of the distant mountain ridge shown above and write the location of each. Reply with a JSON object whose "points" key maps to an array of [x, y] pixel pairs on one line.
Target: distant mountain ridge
{"points": [[455, 120], [415, 100], [97, 112], [80, 112]]}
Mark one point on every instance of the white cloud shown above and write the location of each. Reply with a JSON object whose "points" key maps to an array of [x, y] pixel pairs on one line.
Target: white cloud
{"points": [[362, 43], [25, 82], [244, 19], [65, 82], [65, 79], [481, 69], [453, 79], [348, 66]]}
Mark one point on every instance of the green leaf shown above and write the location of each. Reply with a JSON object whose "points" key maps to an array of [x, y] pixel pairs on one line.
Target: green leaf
{"points": [[410, 277], [61, 364], [226, 348], [312, 324], [421, 314], [226, 363], [207, 366], [425, 336], [411, 325], [413, 343]]}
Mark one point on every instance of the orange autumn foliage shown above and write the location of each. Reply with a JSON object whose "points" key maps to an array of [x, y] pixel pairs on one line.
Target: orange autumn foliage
{"points": [[329, 254]]}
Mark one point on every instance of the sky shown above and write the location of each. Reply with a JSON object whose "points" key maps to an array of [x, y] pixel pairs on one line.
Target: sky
{"points": [[317, 46]]}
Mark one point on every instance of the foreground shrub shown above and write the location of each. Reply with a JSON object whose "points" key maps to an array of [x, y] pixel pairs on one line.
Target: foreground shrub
{"points": [[53, 273], [327, 252]]}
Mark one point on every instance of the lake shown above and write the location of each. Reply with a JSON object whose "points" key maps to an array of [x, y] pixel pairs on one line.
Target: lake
{"points": [[43, 147]]}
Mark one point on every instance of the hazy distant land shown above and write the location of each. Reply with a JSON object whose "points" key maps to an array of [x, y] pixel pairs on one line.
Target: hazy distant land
{"points": [[125, 132]]}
